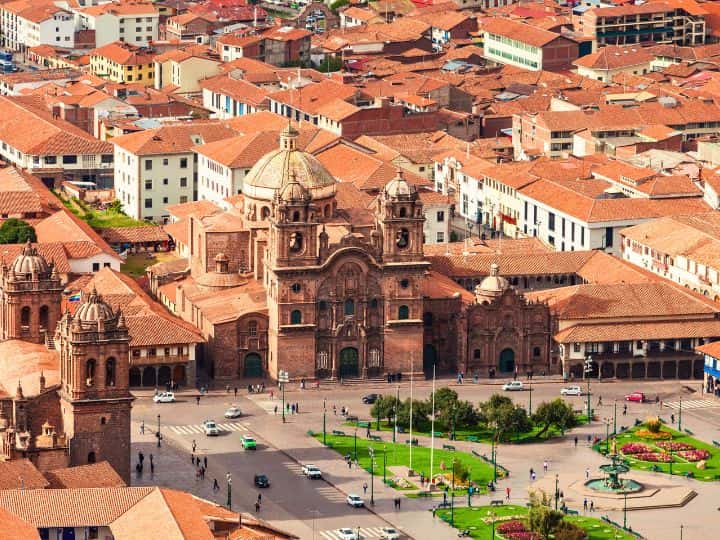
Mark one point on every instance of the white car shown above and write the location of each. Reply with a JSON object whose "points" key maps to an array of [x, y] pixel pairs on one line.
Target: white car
{"points": [[513, 385], [347, 533], [388, 533], [210, 428], [164, 397], [311, 471], [355, 501], [233, 412], [571, 391]]}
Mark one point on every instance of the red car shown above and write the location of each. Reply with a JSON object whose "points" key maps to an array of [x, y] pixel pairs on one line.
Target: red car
{"points": [[635, 396]]}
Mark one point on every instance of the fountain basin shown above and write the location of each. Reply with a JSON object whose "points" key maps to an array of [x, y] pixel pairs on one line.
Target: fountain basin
{"points": [[623, 486]]}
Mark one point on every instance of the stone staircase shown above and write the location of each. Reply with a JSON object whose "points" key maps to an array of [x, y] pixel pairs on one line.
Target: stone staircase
{"points": [[50, 342]]}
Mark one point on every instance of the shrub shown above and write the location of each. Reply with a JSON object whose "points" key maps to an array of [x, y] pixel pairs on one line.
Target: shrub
{"points": [[658, 457], [647, 434], [694, 455], [653, 425], [511, 526], [569, 531]]}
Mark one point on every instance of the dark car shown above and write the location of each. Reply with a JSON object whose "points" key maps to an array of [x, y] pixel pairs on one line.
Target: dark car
{"points": [[262, 481], [370, 398]]}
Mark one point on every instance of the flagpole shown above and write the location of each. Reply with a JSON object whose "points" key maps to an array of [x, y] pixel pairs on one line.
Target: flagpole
{"points": [[411, 408], [432, 426]]}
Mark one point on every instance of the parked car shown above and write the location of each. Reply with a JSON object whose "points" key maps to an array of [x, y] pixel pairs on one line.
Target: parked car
{"points": [[210, 428], [346, 533], [311, 471], [571, 391], [233, 412], [164, 397], [370, 399], [389, 533], [355, 501], [635, 396], [249, 443], [261, 481], [513, 385]]}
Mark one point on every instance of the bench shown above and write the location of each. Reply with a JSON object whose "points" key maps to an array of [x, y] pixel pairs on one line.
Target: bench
{"points": [[375, 438], [414, 442], [351, 418], [688, 431], [571, 512], [363, 424], [401, 430], [471, 438], [448, 447], [437, 433], [689, 474], [497, 502], [654, 468], [716, 444], [338, 432]]}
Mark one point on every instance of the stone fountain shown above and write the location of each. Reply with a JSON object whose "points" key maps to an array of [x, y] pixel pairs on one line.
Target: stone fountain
{"points": [[612, 482]]}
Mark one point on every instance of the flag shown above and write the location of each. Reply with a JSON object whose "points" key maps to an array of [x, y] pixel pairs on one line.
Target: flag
{"points": [[75, 297]]}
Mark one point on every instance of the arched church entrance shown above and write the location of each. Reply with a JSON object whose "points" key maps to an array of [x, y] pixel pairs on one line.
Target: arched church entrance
{"points": [[506, 362], [349, 362], [429, 360], [253, 366]]}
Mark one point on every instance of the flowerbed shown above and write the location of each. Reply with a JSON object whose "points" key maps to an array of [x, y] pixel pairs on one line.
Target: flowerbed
{"points": [[675, 446], [636, 448], [516, 530], [647, 434], [525, 535], [694, 455], [658, 457]]}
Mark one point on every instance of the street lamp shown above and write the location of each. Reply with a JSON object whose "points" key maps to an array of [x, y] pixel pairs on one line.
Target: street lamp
{"points": [[384, 464], [681, 531], [283, 379], [228, 478], [372, 476], [493, 455], [452, 496], [530, 406], [355, 453], [324, 421], [158, 433], [615, 419], [607, 435], [557, 491], [625, 510], [493, 515], [588, 370], [680, 416]]}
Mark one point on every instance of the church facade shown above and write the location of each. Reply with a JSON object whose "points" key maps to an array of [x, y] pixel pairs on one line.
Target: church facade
{"points": [[296, 277]]}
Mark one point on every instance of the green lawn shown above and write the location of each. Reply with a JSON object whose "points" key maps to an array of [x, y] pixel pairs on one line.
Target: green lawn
{"points": [[482, 433], [472, 519], [100, 219], [136, 264], [679, 466], [399, 454]]}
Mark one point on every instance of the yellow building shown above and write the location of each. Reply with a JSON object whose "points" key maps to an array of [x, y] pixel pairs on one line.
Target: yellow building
{"points": [[123, 63]]}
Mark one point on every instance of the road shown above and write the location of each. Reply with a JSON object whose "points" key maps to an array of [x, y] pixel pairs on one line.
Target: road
{"points": [[313, 509]]}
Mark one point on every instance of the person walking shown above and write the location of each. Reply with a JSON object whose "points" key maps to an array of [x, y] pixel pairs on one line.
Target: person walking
{"points": [[672, 418], [587, 473], [236, 391], [194, 445], [532, 471], [576, 441], [152, 466], [142, 427], [197, 400], [141, 457], [334, 410], [545, 466], [192, 459], [297, 408], [533, 476], [275, 410], [599, 401], [507, 493], [151, 459], [216, 486], [259, 499], [592, 506], [257, 506], [625, 409], [585, 506], [364, 488]]}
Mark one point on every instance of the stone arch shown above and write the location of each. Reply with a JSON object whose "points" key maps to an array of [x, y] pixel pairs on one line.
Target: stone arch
{"points": [[110, 365], [684, 369], [264, 212], [44, 317], [349, 362], [654, 370], [622, 371], [607, 371], [638, 370], [506, 361], [135, 376], [403, 313], [90, 368], [25, 316], [669, 369], [163, 376], [148, 376]]}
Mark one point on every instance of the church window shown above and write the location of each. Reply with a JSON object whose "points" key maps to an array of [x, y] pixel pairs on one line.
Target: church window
{"points": [[25, 316], [322, 305], [110, 372], [403, 211], [374, 303], [476, 354], [252, 328], [44, 311], [349, 307], [402, 239], [265, 212], [103, 420], [296, 242], [404, 283], [296, 288], [427, 318], [90, 371], [536, 351], [296, 216], [91, 457], [296, 317], [403, 313]]}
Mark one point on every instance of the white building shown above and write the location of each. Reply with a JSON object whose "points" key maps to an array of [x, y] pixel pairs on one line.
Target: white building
{"points": [[25, 25], [437, 209], [157, 167], [134, 23]]}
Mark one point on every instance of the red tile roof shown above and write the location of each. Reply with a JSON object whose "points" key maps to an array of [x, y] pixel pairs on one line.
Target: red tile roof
{"points": [[93, 475], [518, 31], [21, 474]]}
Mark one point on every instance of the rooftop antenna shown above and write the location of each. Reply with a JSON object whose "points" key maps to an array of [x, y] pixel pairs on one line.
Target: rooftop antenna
{"points": [[255, 17]]}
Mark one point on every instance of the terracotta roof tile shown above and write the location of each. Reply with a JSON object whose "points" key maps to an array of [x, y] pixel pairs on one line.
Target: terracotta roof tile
{"points": [[173, 138], [63, 225], [524, 33], [21, 474], [124, 54], [593, 333], [13, 527], [238, 89], [93, 475], [117, 235]]}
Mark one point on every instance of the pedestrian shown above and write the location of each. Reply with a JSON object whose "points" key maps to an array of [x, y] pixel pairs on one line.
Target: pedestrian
{"points": [[235, 391], [531, 472], [275, 410], [194, 445], [592, 506], [545, 466], [151, 459], [507, 493], [192, 459], [216, 486], [142, 427], [433, 511], [625, 409], [368, 431], [589, 438], [259, 497], [587, 473], [141, 457], [672, 418], [459, 379], [202, 472], [364, 487], [292, 409], [576, 441], [271, 394], [297, 408], [249, 388], [152, 467], [197, 400], [205, 462], [399, 501], [599, 401], [585, 507], [533, 476], [257, 506], [287, 407], [334, 410], [515, 375], [349, 463]]}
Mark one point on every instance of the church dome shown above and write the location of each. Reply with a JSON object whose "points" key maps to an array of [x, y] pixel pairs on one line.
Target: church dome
{"points": [[30, 262], [293, 191], [276, 168], [492, 286], [94, 309], [398, 187]]}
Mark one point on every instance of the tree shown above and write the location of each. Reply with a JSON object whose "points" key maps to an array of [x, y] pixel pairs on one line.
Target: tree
{"points": [[330, 63], [116, 207], [542, 519], [504, 416], [338, 4], [462, 473], [569, 531], [555, 413], [420, 415], [385, 407], [16, 231]]}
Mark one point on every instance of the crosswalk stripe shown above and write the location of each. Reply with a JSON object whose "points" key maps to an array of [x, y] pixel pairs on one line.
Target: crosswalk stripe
{"points": [[365, 532], [693, 404], [328, 534], [198, 429]]}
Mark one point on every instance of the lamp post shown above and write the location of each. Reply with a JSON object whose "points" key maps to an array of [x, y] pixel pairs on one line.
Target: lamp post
{"points": [[452, 496], [355, 452], [397, 407], [158, 433], [681, 531], [324, 422], [625, 510], [377, 424], [493, 514], [680, 416], [588, 369], [607, 435], [615, 419], [283, 379], [530, 406], [557, 490], [493, 455], [372, 476], [384, 464], [228, 478], [671, 458]]}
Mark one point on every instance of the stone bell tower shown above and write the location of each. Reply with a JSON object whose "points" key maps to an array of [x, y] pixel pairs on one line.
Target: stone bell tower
{"points": [[399, 215]]}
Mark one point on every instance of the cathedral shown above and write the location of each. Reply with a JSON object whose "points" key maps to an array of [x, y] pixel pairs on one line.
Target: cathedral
{"points": [[64, 396], [311, 276]]}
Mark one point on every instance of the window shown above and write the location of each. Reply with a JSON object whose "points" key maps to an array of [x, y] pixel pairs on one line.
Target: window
{"points": [[427, 318], [103, 420], [183, 181], [69, 160], [96, 267], [183, 163], [576, 347], [90, 371], [148, 184], [148, 203], [404, 283], [536, 351], [165, 200], [166, 162], [148, 164], [183, 199], [608, 237], [440, 237], [403, 313], [295, 317], [51, 160], [296, 288], [551, 221], [322, 305], [91, 457], [152, 352], [440, 216], [165, 181], [110, 372], [349, 307], [252, 328], [136, 353], [374, 303], [25, 316]]}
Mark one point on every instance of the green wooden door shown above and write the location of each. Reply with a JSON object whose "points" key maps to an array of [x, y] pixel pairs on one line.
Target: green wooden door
{"points": [[253, 366], [507, 361], [349, 362]]}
